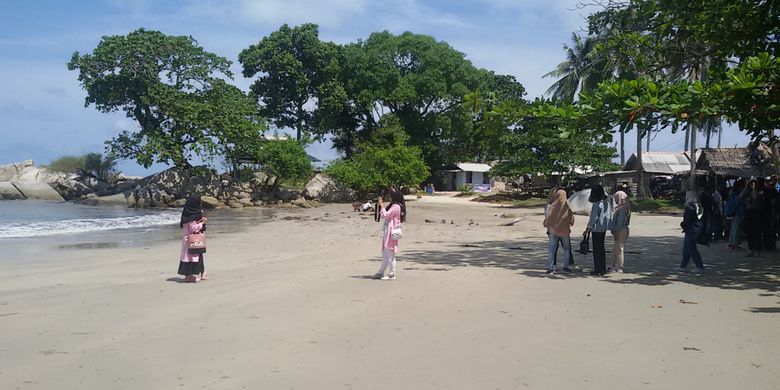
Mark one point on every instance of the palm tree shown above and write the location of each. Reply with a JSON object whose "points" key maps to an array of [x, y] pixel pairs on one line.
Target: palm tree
{"points": [[580, 72]]}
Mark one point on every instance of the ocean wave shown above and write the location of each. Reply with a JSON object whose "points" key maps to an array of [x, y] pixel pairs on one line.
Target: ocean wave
{"points": [[75, 226]]}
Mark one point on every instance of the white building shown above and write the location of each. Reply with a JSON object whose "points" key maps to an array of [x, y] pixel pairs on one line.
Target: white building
{"points": [[456, 176]]}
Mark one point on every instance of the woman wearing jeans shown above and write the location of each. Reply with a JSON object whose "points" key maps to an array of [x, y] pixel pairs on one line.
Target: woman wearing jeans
{"points": [[558, 221], [600, 215]]}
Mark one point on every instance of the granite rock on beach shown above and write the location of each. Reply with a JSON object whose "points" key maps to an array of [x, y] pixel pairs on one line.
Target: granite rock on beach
{"points": [[164, 189]]}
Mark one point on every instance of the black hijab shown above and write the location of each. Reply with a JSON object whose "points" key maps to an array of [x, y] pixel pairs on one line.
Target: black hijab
{"points": [[396, 197], [191, 211]]}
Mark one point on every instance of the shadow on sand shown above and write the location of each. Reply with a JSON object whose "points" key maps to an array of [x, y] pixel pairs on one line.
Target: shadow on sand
{"points": [[651, 260]]}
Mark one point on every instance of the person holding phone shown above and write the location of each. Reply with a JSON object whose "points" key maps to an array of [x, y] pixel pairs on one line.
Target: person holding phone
{"points": [[393, 215], [192, 221]]}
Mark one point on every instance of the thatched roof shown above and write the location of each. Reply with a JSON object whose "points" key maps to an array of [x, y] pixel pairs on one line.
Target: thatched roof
{"points": [[737, 162]]}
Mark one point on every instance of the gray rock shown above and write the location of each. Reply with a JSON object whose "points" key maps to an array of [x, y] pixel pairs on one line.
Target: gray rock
{"points": [[209, 202], [126, 199], [325, 189], [37, 190], [9, 192], [179, 202]]}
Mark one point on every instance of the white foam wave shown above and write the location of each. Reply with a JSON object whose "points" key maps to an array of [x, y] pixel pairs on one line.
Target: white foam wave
{"points": [[74, 226]]}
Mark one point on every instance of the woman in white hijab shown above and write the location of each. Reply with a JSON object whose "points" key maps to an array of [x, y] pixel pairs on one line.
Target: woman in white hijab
{"points": [[618, 225]]}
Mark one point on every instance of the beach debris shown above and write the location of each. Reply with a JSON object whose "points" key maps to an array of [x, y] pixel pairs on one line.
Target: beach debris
{"points": [[471, 246], [295, 218], [471, 222], [443, 221], [657, 306], [691, 349], [508, 215], [452, 222], [511, 223], [688, 302], [429, 221]]}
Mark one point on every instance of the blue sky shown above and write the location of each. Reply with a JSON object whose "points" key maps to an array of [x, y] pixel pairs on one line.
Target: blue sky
{"points": [[42, 113]]}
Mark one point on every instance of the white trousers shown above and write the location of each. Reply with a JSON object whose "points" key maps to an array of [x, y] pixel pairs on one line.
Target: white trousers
{"points": [[388, 260]]}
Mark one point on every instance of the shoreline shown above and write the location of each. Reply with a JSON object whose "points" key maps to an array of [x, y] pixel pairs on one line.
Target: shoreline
{"points": [[288, 305]]}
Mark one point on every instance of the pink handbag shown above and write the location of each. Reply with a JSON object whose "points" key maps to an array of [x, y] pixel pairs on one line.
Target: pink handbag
{"points": [[196, 243]]}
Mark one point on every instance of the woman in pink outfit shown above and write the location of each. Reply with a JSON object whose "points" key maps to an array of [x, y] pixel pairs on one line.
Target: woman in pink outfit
{"points": [[394, 214], [192, 221]]}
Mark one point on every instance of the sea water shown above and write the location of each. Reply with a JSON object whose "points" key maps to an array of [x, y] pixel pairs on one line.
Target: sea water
{"points": [[29, 218], [30, 228]]}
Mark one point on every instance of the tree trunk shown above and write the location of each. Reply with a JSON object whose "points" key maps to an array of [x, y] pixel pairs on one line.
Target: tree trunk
{"points": [[709, 134], [622, 148], [640, 186], [720, 132], [647, 149], [692, 179], [687, 135]]}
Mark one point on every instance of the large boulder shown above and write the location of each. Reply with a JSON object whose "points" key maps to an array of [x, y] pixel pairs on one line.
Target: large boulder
{"points": [[71, 189], [325, 189], [209, 202], [37, 190], [126, 199], [578, 202], [9, 172], [9, 192]]}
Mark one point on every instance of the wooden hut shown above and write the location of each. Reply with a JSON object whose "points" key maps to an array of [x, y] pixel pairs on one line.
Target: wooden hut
{"points": [[734, 163]]}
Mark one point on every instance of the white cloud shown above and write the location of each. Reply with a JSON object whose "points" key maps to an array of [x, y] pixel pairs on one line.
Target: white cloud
{"points": [[329, 13]]}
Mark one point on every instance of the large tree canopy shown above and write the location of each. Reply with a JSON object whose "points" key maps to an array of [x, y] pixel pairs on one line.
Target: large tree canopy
{"points": [[161, 82], [421, 82], [295, 69]]}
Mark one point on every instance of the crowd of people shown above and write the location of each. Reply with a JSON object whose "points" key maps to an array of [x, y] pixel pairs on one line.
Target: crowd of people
{"points": [[748, 208], [743, 209], [611, 213]]}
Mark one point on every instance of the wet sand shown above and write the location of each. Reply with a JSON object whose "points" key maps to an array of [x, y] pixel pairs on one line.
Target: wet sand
{"points": [[289, 306]]}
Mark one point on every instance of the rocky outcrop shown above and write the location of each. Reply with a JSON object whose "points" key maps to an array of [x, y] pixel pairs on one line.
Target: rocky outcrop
{"points": [[325, 189], [23, 180], [9, 192], [37, 190], [168, 188]]}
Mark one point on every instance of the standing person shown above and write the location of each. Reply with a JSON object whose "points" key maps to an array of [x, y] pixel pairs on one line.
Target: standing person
{"points": [[191, 265], [558, 221], [735, 212], [394, 214], [769, 206], [706, 203], [716, 220], [618, 225], [691, 226], [752, 195], [550, 199], [600, 215]]}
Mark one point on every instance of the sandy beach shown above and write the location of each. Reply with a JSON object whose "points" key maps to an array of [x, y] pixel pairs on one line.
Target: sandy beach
{"points": [[289, 305]]}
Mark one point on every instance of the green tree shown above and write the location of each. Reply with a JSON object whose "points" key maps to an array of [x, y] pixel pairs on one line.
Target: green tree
{"points": [[581, 71], [159, 81], [103, 167], [233, 119], [420, 81], [295, 69], [384, 162], [67, 164], [284, 159]]}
